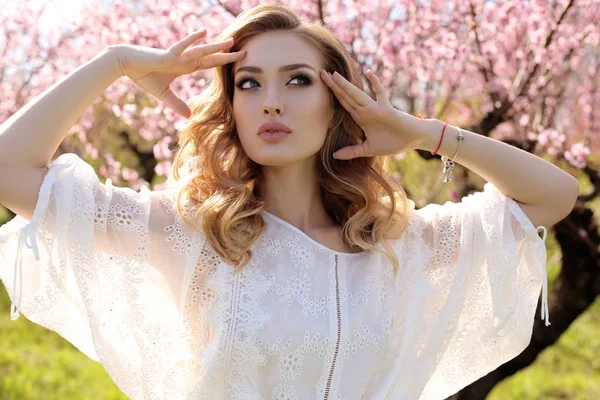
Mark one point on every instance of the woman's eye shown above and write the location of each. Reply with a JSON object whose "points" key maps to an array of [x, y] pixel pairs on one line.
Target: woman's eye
{"points": [[242, 81], [302, 78]]}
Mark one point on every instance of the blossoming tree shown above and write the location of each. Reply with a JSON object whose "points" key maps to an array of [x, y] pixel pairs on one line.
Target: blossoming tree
{"points": [[523, 72]]}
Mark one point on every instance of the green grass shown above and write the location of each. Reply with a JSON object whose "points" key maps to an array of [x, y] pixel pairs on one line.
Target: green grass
{"points": [[568, 370], [36, 363]]}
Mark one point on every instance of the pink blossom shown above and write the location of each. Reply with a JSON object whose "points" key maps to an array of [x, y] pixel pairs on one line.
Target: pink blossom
{"points": [[577, 155], [428, 51]]}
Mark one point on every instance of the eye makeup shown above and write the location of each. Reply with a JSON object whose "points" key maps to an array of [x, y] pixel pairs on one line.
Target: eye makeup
{"points": [[301, 76]]}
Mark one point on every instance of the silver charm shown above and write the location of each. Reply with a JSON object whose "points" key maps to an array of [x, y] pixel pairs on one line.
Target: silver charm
{"points": [[449, 164], [448, 168]]}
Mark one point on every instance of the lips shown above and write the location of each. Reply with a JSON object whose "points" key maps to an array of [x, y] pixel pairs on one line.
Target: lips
{"points": [[272, 136], [273, 126]]}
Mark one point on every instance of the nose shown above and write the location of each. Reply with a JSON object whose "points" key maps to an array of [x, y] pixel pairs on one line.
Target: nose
{"points": [[272, 105], [272, 110]]}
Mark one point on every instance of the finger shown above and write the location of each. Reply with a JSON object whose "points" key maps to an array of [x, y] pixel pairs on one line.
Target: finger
{"points": [[347, 101], [206, 49], [355, 93], [350, 107], [350, 152], [177, 104], [217, 60], [380, 91], [180, 46]]}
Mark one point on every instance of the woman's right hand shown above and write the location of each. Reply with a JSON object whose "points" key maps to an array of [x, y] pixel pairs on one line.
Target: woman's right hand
{"points": [[154, 69]]}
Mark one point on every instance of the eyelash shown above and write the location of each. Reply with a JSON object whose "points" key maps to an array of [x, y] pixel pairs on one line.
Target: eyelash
{"points": [[243, 80]]}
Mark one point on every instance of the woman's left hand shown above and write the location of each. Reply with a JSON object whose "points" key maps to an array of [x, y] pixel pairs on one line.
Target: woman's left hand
{"points": [[378, 119]]}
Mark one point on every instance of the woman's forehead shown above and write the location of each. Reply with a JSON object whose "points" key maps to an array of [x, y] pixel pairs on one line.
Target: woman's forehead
{"points": [[272, 50]]}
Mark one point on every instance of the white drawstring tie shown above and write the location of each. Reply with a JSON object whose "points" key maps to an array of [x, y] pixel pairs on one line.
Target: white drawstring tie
{"points": [[27, 233], [27, 236], [544, 312]]}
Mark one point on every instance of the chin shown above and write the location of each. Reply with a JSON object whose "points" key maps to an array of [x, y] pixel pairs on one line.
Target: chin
{"points": [[275, 161], [280, 154], [278, 157]]}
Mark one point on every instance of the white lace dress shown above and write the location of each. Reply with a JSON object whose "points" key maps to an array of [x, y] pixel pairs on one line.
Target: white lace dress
{"points": [[118, 274]]}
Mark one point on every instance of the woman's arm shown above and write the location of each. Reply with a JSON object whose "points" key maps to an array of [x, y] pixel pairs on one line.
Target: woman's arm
{"points": [[545, 192], [30, 137]]}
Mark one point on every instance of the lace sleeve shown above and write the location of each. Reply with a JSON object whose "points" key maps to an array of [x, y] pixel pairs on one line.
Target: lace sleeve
{"points": [[106, 272], [475, 273]]}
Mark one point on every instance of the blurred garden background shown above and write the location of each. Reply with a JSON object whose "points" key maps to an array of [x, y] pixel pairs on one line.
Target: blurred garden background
{"points": [[524, 72]]}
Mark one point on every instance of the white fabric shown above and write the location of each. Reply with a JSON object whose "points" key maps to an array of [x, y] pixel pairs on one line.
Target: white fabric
{"points": [[127, 282]]}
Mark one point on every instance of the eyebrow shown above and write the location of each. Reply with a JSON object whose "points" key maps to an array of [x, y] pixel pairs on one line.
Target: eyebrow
{"points": [[284, 68]]}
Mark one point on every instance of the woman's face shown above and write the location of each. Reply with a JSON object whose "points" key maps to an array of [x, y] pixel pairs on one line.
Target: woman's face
{"points": [[297, 98]]}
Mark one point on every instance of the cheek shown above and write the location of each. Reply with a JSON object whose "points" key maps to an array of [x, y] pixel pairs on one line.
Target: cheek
{"points": [[240, 114], [319, 109], [312, 104], [244, 123], [236, 106]]}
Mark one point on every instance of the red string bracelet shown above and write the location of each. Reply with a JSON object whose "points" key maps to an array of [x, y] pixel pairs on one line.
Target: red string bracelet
{"points": [[442, 138]]}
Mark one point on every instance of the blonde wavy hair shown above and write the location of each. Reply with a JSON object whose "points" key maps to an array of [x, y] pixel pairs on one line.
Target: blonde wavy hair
{"points": [[224, 186]]}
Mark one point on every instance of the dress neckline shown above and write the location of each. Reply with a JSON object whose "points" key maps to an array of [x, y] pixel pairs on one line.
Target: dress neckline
{"points": [[308, 238]]}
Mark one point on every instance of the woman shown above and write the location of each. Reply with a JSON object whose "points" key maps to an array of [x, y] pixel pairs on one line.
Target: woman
{"points": [[268, 268]]}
